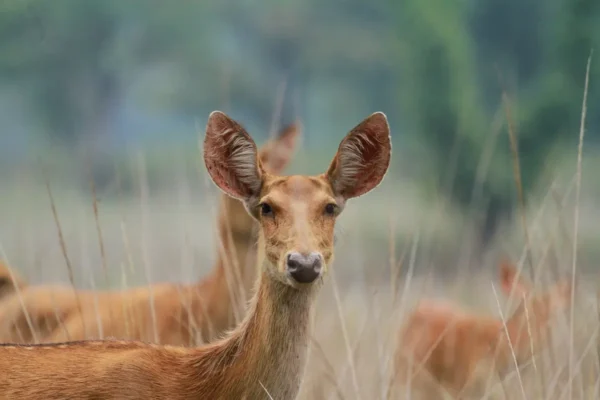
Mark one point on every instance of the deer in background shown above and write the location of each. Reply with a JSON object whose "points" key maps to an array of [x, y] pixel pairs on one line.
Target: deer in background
{"points": [[265, 356], [182, 314], [443, 347], [9, 281]]}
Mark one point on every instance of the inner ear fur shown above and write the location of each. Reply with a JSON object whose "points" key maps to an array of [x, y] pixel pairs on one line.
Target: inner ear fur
{"points": [[362, 159], [231, 157]]}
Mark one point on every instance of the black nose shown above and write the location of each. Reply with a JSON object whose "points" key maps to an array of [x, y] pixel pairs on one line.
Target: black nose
{"points": [[304, 268]]}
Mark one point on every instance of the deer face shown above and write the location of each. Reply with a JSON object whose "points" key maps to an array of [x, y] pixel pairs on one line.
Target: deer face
{"points": [[296, 214]]}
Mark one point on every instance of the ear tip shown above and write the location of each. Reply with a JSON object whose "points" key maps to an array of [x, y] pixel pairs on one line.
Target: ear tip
{"points": [[217, 117], [292, 129], [216, 114], [506, 264], [380, 117], [380, 126], [507, 269], [219, 124]]}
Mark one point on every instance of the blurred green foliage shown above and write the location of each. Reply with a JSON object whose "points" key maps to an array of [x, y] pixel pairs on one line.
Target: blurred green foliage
{"points": [[436, 67]]}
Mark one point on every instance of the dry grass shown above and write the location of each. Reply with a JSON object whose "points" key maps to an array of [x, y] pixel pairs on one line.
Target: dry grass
{"points": [[354, 333], [394, 248]]}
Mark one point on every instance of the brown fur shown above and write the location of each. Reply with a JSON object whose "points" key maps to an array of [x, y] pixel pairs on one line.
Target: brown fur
{"points": [[9, 281], [185, 314], [443, 347], [266, 354]]}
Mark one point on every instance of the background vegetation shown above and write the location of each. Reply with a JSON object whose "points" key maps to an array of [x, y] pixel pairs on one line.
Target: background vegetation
{"points": [[117, 93]]}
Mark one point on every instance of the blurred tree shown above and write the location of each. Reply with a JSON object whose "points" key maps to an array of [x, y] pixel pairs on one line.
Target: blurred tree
{"points": [[435, 67], [443, 101], [306, 46], [553, 102], [456, 60], [62, 53], [510, 56], [74, 56]]}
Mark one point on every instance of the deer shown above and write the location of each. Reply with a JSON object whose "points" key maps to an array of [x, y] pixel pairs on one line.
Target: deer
{"points": [[444, 347], [182, 314], [10, 281], [265, 355]]}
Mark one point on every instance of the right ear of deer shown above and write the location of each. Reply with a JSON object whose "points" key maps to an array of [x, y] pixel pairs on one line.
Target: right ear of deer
{"points": [[231, 158], [509, 280], [363, 158], [278, 152], [6, 283], [8, 280]]}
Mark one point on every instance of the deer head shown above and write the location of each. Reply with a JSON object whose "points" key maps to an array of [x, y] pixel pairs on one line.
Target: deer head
{"points": [[296, 214]]}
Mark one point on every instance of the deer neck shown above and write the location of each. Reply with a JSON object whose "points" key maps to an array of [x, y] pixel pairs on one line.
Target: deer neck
{"points": [[266, 352]]}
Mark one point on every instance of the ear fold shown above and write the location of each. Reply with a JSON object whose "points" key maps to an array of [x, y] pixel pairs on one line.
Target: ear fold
{"points": [[231, 158], [362, 159], [509, 281], [277, 153]]}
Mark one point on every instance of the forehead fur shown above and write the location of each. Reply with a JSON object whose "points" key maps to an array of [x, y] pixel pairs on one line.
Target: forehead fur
{"points": [[297, 187]]}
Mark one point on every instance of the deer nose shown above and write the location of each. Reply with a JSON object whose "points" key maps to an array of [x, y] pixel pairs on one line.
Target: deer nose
{"points": [[304, 268]]}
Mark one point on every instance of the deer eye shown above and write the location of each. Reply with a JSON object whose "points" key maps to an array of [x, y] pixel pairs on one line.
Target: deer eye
{"points": [[266, 210], [330, 209]]}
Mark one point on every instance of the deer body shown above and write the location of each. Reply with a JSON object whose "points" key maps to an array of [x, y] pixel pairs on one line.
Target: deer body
{"points": [[457, 350], [447, 346], [269, 348], [181, 311], [185, 314], [265, 356]]}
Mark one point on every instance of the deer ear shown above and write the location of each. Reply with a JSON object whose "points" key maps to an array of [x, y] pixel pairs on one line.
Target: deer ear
{"points": [[362, 159], [509, 281], [6, 284], [8, 281], [277, 153], [231, 158]]}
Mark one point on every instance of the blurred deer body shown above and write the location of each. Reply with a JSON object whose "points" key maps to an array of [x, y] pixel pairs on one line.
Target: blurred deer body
{"points": [[9, 282], [441, 345], [265, 356], [185, 314]]}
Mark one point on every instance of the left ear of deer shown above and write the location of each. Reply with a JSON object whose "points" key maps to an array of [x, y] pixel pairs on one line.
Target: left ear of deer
{"points": [[363, 158], [511, 280], [9, 280], [231, 158]]}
